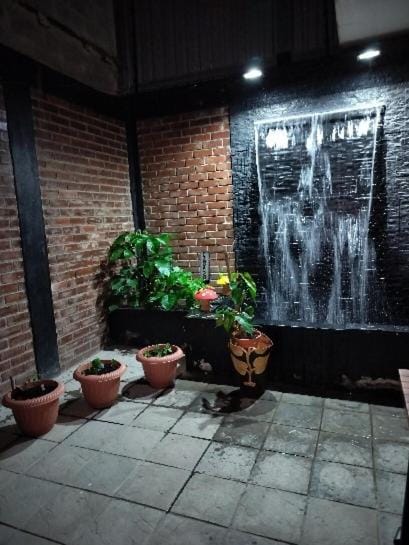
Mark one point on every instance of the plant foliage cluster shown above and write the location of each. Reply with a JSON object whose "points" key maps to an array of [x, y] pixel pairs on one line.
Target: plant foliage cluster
{"points": [[237, 318], [146, 276], [159, 351]]}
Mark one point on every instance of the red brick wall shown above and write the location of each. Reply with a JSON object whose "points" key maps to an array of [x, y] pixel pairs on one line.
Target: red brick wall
{"points": [[84, 180], [16, 349], [186, 174]]}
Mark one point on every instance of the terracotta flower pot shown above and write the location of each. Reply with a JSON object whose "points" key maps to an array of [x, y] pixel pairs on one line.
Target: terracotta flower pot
{"points": [[38, 415], [160, 372], [100, 391], [250, 358]]}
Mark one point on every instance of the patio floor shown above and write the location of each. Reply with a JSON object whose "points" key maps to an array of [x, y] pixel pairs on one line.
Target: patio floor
{"points": [[158, 469]]}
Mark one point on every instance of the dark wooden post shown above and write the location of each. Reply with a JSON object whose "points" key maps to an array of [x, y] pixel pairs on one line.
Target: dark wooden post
{"points": [[32, 232]]}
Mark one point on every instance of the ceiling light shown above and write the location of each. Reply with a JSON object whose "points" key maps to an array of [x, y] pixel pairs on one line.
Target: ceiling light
{"points": [[368, 54], [253, 73]]}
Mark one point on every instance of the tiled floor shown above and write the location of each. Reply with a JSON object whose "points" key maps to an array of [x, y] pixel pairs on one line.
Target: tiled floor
{"points": [[156, 468]]}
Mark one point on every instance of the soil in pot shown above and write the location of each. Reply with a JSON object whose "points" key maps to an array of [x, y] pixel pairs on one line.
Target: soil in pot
{"points": [[100, 381], [249, 342], [35, 406]]}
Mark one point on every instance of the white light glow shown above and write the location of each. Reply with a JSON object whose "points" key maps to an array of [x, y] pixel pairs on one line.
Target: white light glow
{"points": [[368, 54], [253, 73]]}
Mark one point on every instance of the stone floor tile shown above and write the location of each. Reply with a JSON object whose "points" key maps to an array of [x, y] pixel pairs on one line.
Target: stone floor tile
{"points": [[259, 410], [386, 427], [178, 399], [246, 432], [203, 426], [395, 412], [391, 491], [116, 439], [175, 530], [329, 522], [103, 473], [123, 412], [390, 456], [11, 536], [271, 513], [291, 440], [21, 497], [300, 399], [22, 453], [153, 485], [300, 416], [344, 483], [78, 408], [228, 461], [347, 422], [178, 451], [283, 471], [7, 437], [64, 427], [140, 391], [346, 404], [234, 537], [218, 402], [121, 523], [388, 525], [210, 499], [157, 418], [68, 514], [86, 469], [345, 449]]}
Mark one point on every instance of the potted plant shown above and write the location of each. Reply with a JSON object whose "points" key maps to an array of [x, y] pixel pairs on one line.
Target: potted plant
{"points": [[99, 381], [35, 405], [145, 276], [249, 347], [160, 363]]}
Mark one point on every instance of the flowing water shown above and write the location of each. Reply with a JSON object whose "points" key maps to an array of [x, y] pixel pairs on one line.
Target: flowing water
{"points": [[316, 182]]}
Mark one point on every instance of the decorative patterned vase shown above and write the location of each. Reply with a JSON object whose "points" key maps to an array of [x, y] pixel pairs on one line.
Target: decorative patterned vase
{"points": [[160, 371], [38, 415], [100, 391], [250, 359]]}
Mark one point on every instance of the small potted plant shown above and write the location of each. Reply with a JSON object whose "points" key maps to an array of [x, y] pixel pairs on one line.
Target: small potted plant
{"points": [[99, 381], [249, 347], [160, 363], [35, 405]]}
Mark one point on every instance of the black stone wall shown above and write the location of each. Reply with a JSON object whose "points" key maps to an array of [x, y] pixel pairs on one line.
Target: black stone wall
{"points": [[317, 91]]}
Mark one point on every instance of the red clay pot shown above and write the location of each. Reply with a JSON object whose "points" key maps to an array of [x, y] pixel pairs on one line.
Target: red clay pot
{"points": [[160, 372], [36, 416], [249, 343], [100, 391]]}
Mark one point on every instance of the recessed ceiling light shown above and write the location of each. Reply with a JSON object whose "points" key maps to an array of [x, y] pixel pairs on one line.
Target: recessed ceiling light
{"points": [[253, 73], [368, 54]]}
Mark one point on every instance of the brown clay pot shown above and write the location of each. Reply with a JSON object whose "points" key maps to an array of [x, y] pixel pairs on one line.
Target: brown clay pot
{"points": [[160, 372], [38, 415], [249, 343], [100, 391], [250, 359]]}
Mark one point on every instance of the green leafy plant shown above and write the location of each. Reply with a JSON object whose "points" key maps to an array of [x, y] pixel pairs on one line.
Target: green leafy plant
{"points": [[146, 275], [99, 367], [159, 351], [237, 318]]}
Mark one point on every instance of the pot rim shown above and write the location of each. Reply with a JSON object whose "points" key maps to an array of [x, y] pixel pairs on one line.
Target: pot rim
{"points": [[106, 377], [35, 401], [170, 358]]}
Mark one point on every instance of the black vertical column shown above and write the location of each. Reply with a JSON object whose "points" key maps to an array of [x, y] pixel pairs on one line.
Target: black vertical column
{"points": [[32, 232], [124, 12]]}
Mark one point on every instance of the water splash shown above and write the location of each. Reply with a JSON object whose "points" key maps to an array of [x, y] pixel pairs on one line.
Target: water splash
{"points": [[316, 176]]}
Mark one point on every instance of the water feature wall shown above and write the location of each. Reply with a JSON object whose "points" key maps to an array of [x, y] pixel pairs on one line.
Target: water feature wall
{"points": [[320, 168], [316, 177]]}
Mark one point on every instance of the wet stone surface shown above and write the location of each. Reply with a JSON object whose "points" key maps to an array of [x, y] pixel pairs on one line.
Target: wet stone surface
{"points": [[287, 468]]}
